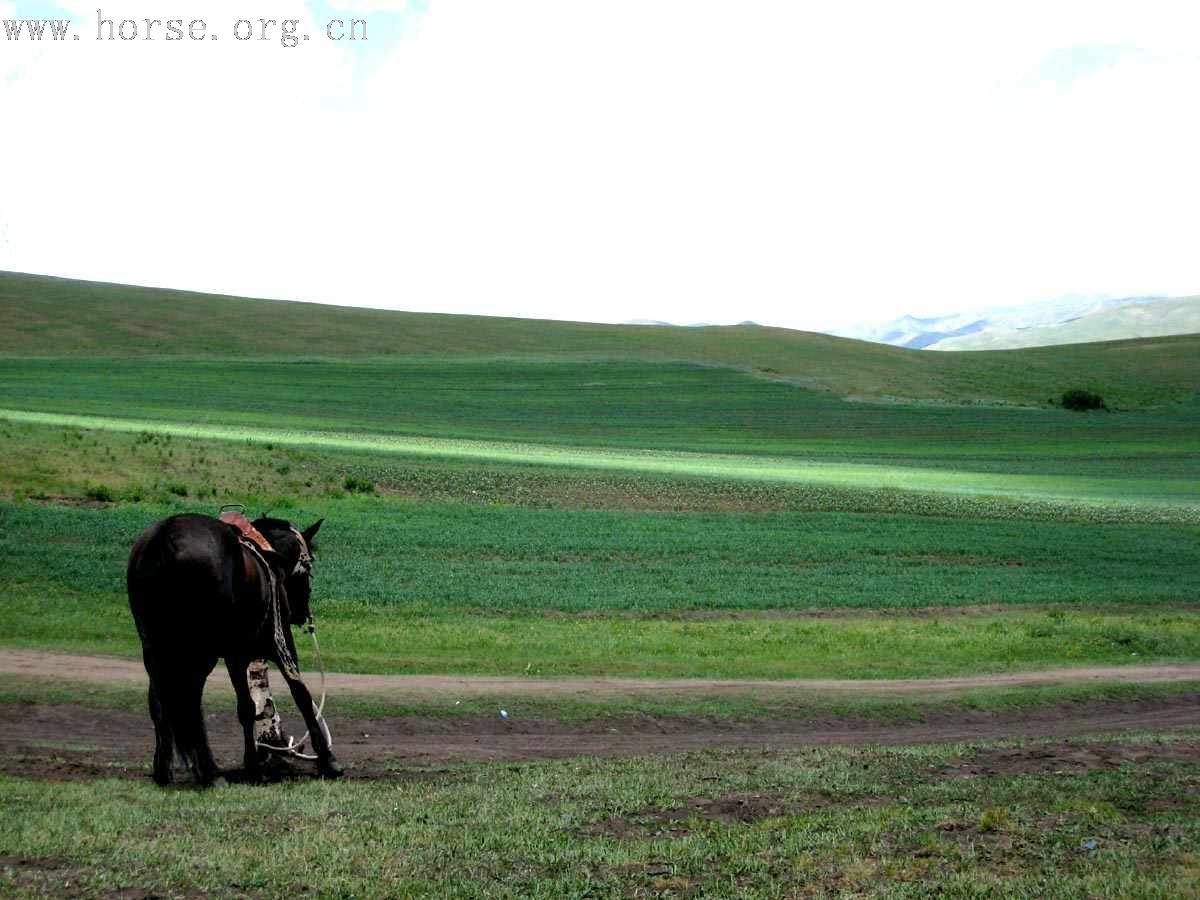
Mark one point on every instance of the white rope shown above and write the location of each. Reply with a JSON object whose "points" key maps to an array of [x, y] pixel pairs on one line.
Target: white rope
{"points": [[294, 746]]}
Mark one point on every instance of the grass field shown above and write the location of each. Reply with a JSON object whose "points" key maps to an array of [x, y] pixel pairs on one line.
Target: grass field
{"points": [[555, 480], [108, 320], [630, 405], [541, 500], [407, 587], [614, 404], [509, 488], [666, 419], [834, 821]]}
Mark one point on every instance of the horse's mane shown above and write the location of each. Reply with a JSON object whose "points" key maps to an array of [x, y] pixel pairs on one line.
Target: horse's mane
{"points": [[264, 522]]}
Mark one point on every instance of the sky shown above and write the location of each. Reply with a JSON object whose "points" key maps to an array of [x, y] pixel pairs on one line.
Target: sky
{"points": [[807, 165]]}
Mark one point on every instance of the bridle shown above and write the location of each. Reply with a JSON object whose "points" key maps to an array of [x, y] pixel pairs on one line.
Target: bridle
{"points": [[304, 565]]}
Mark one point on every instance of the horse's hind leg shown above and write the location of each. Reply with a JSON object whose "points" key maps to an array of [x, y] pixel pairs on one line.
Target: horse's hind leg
{"points": [[180, 690], [164, 744], [204, 767], [246, 711]]}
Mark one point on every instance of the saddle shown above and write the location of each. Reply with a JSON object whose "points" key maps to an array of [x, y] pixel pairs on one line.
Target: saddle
{"points": [[246, 531], [255, 546]]}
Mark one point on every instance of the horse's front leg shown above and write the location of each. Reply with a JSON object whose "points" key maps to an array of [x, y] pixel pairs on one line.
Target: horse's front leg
{"points": [[246, 711], [327, 764]]}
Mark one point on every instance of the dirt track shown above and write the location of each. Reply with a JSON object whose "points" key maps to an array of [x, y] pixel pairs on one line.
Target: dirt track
{"points": [[73, 742], [112, 670], [88, 743]]}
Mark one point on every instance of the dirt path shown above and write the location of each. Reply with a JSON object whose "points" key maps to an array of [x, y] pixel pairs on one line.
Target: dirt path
{"points": [[113, 670], [70, 742], [63, 741]]}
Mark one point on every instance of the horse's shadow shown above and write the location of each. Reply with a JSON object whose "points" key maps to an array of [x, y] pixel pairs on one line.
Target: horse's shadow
{"points": [[274, 771]]}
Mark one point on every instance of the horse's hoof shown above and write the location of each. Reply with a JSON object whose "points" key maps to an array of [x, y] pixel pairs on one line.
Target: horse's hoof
{"points": [[330, 768]]}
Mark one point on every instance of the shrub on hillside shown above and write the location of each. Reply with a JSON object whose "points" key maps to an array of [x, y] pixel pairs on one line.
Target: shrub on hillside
{"points": [[356, 485], [101, 493], [1079, 399]]}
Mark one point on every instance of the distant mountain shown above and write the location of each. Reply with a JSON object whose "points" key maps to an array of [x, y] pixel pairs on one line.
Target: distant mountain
{"points": [[1137, 319], [975, 329]]}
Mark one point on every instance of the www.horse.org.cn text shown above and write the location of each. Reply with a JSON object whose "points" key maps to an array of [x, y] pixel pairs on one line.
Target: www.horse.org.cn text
{"points": [[285, 31]]}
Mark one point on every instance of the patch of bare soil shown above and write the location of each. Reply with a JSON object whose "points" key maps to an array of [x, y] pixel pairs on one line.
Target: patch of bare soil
{"points": [[35, 877], [674, 822], [68, 742], [1068, 758]]}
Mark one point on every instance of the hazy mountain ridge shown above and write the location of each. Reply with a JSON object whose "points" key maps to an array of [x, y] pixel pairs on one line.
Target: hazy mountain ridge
{"points": [[1139, 319], [999, 326]]}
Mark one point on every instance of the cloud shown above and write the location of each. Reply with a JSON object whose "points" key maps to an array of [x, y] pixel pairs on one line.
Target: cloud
{"points": [[790, 163]]}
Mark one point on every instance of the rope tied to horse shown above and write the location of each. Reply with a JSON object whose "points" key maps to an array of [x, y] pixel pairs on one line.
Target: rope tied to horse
{"points": [[294, 747]]}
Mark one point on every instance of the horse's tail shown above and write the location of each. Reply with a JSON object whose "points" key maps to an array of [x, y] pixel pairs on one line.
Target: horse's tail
{"points": [[176, 694], [175, 596]]}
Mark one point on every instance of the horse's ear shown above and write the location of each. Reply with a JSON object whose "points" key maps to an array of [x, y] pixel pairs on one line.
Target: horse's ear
{"points": [[311, 531]]}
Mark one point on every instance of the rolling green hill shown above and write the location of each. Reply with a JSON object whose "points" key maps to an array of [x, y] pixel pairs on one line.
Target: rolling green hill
{"points": [[46, 316]]}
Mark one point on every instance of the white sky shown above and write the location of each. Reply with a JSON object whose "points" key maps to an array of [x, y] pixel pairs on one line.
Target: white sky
{"points": [[800, 164]]}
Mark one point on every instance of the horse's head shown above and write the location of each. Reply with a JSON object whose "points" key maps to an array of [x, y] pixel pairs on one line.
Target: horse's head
{"points": [[297, 549]]}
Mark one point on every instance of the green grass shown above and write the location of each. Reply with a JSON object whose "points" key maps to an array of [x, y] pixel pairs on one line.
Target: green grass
{"points": [[886, 821], [392, 553], [627, 416], [611, 404], [752, 432], [404, 587], [51, 461], [544, 499], [108, 320], [1132, 489], [360, 638]]}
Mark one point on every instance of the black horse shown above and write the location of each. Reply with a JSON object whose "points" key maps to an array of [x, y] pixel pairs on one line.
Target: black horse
{"points": [[199, 594]]}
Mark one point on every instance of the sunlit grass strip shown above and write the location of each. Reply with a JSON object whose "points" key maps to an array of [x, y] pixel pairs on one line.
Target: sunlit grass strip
{"points": [[1101, 491]]}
